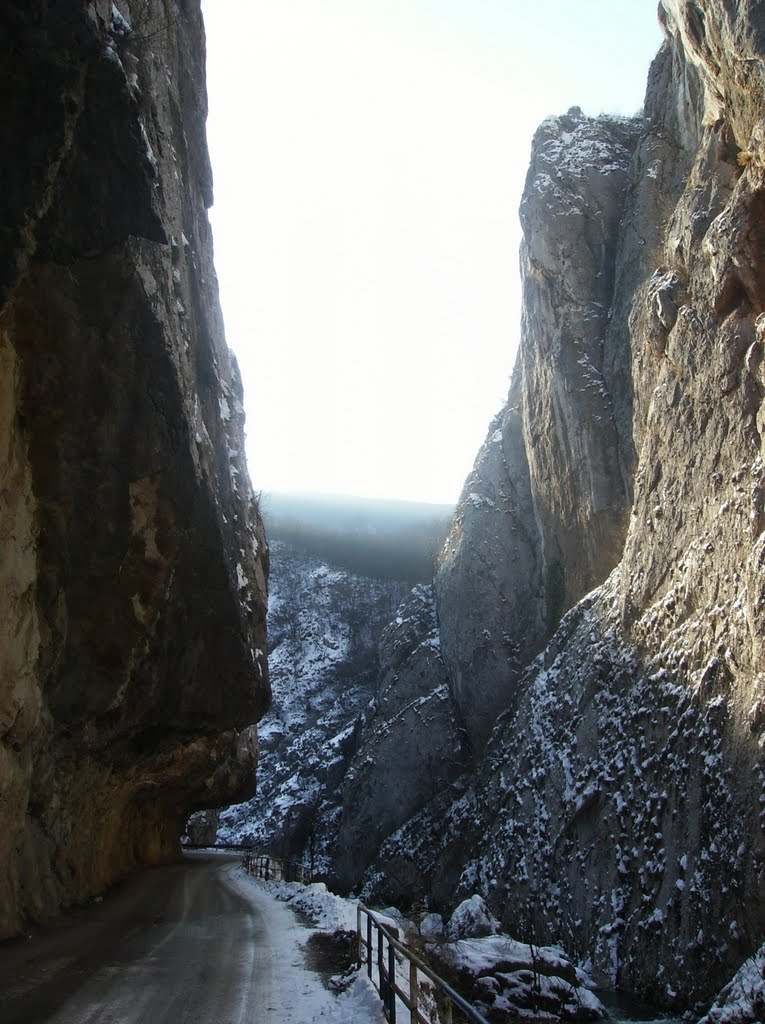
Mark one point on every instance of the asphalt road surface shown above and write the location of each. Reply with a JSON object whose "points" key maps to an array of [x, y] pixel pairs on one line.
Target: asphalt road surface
{"points": [[172, 944]]}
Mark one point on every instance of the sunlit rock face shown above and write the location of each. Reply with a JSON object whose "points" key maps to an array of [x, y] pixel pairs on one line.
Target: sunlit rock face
{"points": [[504, 575], [618, 806], [134, 564], [542, 517]]}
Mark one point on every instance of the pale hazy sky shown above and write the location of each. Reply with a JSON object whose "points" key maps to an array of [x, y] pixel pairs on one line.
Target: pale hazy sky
{"points": [[369, 157]]}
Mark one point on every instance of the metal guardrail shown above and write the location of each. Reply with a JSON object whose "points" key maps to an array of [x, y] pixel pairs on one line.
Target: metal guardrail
{"points": [[398, 972], [230, 847], [394, 970], [275, 869]]}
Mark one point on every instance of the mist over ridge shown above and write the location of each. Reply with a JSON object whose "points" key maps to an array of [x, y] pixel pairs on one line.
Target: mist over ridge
{"points": [[382, 538]]}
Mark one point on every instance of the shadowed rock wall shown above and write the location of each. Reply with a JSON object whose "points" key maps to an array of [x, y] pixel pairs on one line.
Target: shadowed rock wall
{"points": [[133, 561]]}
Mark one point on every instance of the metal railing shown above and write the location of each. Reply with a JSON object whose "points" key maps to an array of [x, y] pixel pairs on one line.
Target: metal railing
{"points": [[275, 869], [400, 976], [230, 847]]}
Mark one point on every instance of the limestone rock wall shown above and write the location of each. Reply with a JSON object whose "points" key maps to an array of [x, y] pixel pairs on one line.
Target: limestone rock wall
{"points": [[324, 624], [617, 807], [542, 517], [520, 551], [133, 560], [411, 748]]}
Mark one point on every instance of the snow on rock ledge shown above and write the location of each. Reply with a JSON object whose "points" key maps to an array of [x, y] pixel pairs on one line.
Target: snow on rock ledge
{"points": [[507, 979], [742, 1001], [471, 920]]}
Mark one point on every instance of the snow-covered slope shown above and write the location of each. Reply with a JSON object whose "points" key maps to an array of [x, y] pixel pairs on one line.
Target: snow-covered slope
{"points": [[324, 625], [742, 1000]]}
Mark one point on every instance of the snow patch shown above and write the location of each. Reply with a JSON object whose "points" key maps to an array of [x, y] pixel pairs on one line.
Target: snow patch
{"points": [[282, 939]]}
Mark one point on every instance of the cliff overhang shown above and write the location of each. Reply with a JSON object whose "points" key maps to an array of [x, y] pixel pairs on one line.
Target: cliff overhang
{"points": [[134, 563]]}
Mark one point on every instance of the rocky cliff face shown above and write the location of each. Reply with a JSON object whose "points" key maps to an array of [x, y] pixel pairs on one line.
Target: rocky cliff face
{"points": [[133, 563], [617, 804], [521, 550], [324, 624], [542, 516], [411, 746]]}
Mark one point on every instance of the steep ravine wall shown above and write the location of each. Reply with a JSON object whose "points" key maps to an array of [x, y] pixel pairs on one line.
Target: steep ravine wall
{"points": [[617, 806], [519, 551], [133, 560], [543, 515]]}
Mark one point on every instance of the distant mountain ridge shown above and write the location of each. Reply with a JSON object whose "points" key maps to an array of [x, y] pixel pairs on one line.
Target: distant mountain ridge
{"points": [[343, 510], [389, 539]]}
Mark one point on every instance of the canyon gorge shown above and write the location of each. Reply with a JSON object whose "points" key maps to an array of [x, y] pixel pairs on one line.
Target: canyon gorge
{"points": [[569, 720]]}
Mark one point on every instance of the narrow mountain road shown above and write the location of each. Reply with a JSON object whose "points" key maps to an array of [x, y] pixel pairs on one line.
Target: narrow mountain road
{"points": [[190, 942]]}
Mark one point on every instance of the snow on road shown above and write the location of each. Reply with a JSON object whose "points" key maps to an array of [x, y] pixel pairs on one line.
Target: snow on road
{"points": [[197, 942], [288, 991]]}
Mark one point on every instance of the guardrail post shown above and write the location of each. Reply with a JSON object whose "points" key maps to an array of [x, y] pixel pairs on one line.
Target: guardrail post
{"points": [[369, 944], [414, 991], [392, 983], [381, 969]]}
